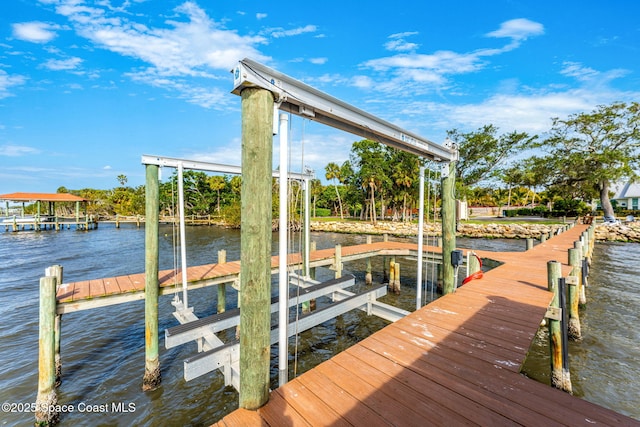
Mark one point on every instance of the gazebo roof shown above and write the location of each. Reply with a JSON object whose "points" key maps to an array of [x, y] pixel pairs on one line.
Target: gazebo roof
{"points": [[43, 197]]}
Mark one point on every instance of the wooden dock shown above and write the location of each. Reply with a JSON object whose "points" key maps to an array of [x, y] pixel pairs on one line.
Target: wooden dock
{"points": [[101, 292], [456, 361], [56, 223]]}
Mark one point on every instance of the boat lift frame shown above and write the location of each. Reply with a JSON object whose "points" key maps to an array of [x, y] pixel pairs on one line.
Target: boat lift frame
{"points": [[303, 100]]}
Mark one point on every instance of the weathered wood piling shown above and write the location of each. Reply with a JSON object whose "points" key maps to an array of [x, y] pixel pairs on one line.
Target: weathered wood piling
{"points": [[448, 228], [151, 378], [222, 287], [574, 328], [255, 243], [46, 413]]}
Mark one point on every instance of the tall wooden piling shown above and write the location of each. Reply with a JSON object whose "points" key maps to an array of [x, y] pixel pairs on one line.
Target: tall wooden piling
{"points": [[562, 297], [255, 244], [47, 399], [222, 287], [554, 272], [582, 295], [57, 272], [448, 228], [574, 328], [151, 377]]}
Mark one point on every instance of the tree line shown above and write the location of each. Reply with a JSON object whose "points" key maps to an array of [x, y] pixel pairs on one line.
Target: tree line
{"points": [[578, 160]]}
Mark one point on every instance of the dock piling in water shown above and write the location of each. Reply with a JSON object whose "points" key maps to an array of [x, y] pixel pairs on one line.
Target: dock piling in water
{"points": [[574, 329], [255, 244], [47, 399], [56, 271], [222, 287], [151, 377]]}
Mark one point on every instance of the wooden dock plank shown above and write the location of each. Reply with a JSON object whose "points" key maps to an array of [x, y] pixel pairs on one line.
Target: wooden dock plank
{"points": [[125, 284], [111, 286], [309, 405], [341, 401], [395, 412], [279, 413], [242, 417], [460, 398], [81, 291], [96, 288], [453, 362]]}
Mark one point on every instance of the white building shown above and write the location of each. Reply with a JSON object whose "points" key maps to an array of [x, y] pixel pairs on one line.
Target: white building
{"points": [[627, 195]]}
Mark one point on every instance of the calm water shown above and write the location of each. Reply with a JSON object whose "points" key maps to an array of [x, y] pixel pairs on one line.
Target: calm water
{"points": [[103, 349]]}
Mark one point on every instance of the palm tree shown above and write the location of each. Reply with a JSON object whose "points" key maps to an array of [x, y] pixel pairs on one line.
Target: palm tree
{"points": [[333, 173], [217, 183]]}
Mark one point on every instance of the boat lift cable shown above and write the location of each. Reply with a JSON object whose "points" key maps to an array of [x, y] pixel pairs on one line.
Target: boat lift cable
{"points": [[174, 243]]}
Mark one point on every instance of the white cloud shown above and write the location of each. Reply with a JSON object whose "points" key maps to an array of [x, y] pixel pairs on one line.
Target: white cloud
{"points": [[17, 150], [424, 72], [7, 81], [587, 74], [280, 32], [107, 168], [518, 29], [36, 32], [363, 82], [260, 16], [190, 44], [62, 64], [398, 43], [318, 61]]}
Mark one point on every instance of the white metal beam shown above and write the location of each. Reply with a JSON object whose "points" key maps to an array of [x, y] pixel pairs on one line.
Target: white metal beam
{"points": [[303, 100], [171, 162]]}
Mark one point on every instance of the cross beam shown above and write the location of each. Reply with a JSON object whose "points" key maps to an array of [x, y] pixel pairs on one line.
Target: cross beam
{"points": [[298, 98], [214, 167]]}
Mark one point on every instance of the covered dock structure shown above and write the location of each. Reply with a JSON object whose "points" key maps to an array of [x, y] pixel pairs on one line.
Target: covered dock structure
{"points": [[45, 216]]}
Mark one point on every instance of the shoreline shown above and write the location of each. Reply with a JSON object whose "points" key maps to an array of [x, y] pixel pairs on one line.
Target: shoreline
{"points": [[629, 233]]}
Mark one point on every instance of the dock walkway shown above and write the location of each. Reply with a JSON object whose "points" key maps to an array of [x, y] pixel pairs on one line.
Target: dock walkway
{"points": [[456, 361], [101, 292]]}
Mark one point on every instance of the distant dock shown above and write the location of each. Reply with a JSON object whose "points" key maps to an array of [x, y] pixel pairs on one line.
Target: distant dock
{"points": [[42, 223]]}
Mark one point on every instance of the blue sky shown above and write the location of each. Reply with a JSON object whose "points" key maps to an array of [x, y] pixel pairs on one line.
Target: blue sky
{"points": [[88, 87]]}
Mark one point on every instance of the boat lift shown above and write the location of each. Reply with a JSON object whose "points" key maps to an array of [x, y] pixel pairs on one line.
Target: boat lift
{"points": [[297, 98]]}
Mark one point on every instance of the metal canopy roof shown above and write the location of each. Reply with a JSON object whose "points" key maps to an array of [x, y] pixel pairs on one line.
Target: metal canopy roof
{"points": [[42, 197], [298, 98]]}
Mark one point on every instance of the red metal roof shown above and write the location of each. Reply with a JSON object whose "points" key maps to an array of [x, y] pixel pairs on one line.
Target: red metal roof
{"points": [[43, 197]]}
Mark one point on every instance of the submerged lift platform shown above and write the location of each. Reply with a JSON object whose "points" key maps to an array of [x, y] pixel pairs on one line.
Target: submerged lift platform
{"points": [[214, 354]]}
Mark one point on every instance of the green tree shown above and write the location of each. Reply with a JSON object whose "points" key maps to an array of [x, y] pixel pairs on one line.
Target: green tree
{"points": [[217, 184], [371, 161], [332, 173], [591, 151], [122, 179], [482, 152]]}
